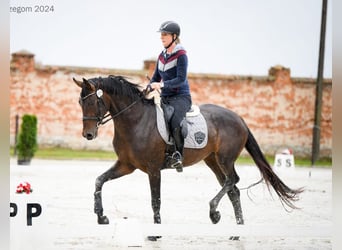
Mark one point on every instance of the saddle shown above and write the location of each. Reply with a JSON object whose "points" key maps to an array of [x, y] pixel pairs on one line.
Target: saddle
{"points": [[194, 126], [168, 111]]}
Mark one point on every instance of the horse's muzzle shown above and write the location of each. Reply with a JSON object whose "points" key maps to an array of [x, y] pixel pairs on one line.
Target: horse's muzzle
{"points": [[89, 135]]}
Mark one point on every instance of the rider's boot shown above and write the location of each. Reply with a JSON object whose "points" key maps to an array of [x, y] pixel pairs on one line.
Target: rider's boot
{"points": [[177, 156]]}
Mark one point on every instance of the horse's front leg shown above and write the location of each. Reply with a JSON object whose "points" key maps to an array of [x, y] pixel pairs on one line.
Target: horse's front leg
{"points": [[154, 178], [114, 172]]}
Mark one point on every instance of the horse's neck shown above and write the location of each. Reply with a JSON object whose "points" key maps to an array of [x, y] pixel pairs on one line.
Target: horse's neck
{"points": [[135, 116]]}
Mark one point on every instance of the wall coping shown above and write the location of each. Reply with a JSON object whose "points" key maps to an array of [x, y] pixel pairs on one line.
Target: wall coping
{"points": [[273, 73], [142, 73]]}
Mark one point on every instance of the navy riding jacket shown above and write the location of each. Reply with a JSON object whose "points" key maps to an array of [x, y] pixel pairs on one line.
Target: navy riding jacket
{"points": [[172, 69]]}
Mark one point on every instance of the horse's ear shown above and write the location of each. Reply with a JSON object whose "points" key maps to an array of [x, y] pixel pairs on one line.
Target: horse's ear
{"points": [[78, 83], [88, 84]]}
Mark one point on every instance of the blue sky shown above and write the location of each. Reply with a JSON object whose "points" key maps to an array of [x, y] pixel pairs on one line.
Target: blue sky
{"points": [[244, 37]]}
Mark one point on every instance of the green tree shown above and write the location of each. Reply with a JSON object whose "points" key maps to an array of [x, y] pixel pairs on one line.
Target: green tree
{"points": [[27, 139]]}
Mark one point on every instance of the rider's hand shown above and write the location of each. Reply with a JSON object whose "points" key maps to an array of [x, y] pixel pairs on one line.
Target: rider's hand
{"points": [[156, 85]]}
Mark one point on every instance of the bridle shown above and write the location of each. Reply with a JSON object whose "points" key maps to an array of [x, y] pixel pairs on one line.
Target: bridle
{"points": [[101, 120]]}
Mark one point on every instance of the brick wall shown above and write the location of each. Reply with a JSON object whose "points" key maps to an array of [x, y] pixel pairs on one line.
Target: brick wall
{"points": [[278, 108]]}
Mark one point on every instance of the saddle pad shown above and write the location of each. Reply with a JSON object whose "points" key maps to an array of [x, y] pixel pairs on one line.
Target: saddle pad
{"points": [[197, 130]]}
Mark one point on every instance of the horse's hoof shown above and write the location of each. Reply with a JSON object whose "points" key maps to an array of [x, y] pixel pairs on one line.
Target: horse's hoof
{"points": [[215, 217], [102, 220], [153, 238], [239, 221], [234, 237]]}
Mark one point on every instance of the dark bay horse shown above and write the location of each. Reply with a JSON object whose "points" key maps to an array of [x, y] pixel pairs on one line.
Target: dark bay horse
{"points": [[139, 146]]}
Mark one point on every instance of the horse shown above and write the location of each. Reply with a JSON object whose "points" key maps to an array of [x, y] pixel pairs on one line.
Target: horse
{"points": [[138, 144]]}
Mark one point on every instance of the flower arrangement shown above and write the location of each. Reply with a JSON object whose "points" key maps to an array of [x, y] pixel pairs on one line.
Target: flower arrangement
{"points": [[24, 187]]}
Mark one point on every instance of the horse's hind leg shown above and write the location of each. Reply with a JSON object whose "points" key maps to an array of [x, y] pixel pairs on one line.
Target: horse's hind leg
{"points": [[114, 172], [215, 215], [234, 196], [227, 181]]}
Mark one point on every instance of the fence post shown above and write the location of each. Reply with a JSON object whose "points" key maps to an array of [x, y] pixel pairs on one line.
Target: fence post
{"points": [[316, 134]]}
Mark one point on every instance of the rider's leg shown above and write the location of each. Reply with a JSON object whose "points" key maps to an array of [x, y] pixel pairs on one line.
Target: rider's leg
{"points": [[178, 154], [181, 104]]}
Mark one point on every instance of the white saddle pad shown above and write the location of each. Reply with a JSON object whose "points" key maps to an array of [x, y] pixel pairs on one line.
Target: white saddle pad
{"points": [[197, 128]]}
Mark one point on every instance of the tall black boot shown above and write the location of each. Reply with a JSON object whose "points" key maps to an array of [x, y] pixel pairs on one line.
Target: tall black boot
{"points": [[177, 156]]}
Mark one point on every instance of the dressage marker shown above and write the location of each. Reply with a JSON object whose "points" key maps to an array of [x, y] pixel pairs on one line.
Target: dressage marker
{"points": [[284, 160]]}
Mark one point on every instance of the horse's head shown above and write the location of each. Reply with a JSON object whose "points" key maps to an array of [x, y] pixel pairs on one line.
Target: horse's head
{"points": [[94, 107]]}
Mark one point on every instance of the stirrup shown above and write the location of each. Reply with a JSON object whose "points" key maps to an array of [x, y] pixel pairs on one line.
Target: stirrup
{"points": [[177, 161]]}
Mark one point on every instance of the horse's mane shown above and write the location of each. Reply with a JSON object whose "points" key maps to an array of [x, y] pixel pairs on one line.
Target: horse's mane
{"points": [[119, 85]]}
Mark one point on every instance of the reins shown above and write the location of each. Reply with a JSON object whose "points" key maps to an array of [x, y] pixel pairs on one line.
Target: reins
{"points": [[120, 112]]}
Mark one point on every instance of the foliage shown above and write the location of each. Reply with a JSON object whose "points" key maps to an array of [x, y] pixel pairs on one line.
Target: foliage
{"points": [[27, 138]]}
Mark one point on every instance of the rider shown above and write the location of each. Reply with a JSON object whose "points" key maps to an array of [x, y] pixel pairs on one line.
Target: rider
{"points": [[170, 76]]}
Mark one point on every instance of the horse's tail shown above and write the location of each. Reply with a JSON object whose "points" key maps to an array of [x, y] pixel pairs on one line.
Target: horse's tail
{"points": [[286, 194]]}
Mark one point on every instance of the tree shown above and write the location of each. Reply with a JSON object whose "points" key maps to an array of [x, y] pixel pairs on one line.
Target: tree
{"points": [[27, 139]]}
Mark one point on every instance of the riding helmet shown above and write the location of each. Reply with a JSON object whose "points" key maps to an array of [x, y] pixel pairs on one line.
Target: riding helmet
{"points": [[170, 27]]}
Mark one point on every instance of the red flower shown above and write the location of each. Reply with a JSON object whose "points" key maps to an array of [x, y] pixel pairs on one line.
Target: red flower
{"points": [[24, 187]]}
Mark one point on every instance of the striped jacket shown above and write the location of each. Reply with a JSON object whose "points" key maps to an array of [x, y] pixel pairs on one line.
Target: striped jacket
{"points": [[172, 69]]}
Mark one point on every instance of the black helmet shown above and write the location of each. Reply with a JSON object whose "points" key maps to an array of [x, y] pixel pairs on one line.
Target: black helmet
{"points": [[170, 27]]}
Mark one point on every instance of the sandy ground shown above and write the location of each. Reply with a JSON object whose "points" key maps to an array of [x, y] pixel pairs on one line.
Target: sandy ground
{"points": [[65, 189]]}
